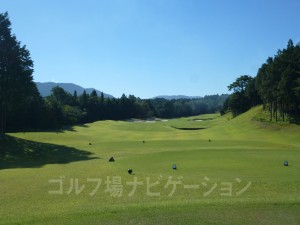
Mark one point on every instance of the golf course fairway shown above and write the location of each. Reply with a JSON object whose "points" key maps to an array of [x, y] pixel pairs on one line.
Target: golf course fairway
{"points": [[229, 171]]}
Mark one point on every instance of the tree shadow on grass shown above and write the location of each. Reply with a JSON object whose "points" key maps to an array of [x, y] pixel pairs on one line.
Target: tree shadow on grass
{"points": [[20, 153], [62, 129]]}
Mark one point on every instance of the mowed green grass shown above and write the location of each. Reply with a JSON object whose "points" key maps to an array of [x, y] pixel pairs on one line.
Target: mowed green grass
{"points": [[241, 152]]}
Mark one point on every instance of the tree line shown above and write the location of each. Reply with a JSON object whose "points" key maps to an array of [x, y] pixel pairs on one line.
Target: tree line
{"points": [[23, 108], [276, 86], [62, 108]]}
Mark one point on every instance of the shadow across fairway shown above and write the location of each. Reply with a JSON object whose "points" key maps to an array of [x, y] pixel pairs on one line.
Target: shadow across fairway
{"points": [[20, 153], [63, 129]]}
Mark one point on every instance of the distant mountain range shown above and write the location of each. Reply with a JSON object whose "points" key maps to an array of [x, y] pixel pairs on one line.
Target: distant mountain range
{"points": [[46, 87], [170, 97]]}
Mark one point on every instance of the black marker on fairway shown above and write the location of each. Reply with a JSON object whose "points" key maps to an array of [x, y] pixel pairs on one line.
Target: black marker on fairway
{"points": [[286, 163], [111, 159], [174, 167], [129, 171]]}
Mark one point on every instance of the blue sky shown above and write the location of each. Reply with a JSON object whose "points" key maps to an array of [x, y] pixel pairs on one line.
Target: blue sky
{"points": [[152, 47]]}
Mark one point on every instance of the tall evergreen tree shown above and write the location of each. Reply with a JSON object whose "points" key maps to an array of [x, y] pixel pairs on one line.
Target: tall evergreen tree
{"points": [[239, 101], [277, 81], [94, 93], [16, 81]]}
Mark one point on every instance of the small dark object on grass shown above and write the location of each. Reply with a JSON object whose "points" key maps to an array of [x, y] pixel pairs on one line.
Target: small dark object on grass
{"points": [[209, 140], [143, 141], [174, 167], [130, 171], [90, 143], [286, 163], [111, 159]]}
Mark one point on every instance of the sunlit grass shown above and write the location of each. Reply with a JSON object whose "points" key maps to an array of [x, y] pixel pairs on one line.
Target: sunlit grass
{"points": [[236, 151]]}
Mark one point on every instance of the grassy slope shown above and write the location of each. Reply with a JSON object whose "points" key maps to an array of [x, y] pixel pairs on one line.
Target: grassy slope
{"points": [[239, 148]]}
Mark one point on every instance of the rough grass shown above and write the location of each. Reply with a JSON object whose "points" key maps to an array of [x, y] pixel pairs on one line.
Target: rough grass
{"points": [[240, 151]]}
